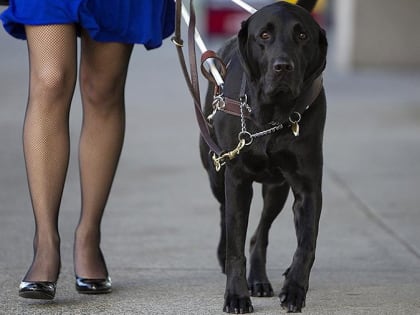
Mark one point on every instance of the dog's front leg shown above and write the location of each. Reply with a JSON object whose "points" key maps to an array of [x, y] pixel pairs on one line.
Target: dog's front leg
{"points": [[307, 210], [238, 201], [275, 196]]}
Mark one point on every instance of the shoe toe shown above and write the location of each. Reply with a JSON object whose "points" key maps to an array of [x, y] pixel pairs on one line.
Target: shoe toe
{"points": [[43, 290], [93, 286]]}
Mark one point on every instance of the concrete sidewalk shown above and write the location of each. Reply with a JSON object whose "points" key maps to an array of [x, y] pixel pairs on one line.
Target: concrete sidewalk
{"points": [[161, 227]]}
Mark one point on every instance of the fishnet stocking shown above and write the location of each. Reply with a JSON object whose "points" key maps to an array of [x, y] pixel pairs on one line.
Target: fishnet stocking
{"points": [[52, 56], [103, 72]]}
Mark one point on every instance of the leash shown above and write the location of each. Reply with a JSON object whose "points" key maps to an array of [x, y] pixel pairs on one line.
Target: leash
{"points": [[191, 77], [209, 57]]}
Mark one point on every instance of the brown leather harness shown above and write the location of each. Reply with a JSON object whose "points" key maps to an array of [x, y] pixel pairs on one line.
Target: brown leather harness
{"points": [[232, 106]]}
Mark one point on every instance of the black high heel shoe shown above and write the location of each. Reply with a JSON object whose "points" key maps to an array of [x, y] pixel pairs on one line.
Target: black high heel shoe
{"points": [[44, 290], [93, 286]]}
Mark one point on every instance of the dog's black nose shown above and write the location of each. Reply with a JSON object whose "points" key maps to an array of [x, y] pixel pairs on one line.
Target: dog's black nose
{"points": [[283, 65]]}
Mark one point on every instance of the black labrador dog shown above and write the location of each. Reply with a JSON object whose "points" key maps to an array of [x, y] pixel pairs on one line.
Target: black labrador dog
{"points": [[274, 105]]}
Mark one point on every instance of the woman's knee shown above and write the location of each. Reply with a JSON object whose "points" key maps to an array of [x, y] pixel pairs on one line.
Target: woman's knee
{"points": [[102, 93], [51, 92], [53, 58], [103, 71], [52, 84]]}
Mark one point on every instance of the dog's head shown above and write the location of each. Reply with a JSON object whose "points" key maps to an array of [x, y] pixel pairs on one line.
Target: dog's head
{"points": [[282, 49]]}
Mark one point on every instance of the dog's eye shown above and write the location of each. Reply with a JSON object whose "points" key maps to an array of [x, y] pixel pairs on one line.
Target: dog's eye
{"points": [[302, 36], [265, 35]]}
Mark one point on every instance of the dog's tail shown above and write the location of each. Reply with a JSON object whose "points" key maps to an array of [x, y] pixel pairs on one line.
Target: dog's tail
{"points": [[307, 4]]}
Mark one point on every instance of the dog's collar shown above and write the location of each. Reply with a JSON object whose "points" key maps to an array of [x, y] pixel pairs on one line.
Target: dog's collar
{"points": [[303, 102]]}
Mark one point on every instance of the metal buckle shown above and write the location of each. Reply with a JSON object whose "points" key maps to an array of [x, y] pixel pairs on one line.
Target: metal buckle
{"points": [[218, 104], [218, 162]]}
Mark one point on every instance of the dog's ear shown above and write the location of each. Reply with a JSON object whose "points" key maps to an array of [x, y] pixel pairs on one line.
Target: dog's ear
{"points": [[243, 35], [323, 44], [243, 46], [319, 59], [245, 50], [307, 4]]}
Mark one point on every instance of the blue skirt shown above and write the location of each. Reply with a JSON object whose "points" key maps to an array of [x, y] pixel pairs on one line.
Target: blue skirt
{"points": [[145, 22]]}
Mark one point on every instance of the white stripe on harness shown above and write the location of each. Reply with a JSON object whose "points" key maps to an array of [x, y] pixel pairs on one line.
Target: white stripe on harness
{"points": [[245, 6], [200, 43]]}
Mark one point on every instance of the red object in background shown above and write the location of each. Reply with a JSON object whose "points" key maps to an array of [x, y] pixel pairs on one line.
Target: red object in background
{"points": [[224, 22]]}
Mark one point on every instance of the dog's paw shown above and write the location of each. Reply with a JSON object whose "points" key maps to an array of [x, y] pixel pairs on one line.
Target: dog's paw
{"points": [[261, 289], [292, 297], [237, 305]]}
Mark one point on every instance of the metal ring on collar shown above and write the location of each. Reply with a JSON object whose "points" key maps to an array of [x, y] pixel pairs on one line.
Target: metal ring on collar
{"points": [[246, 136], [296, 115], [243, 99]]}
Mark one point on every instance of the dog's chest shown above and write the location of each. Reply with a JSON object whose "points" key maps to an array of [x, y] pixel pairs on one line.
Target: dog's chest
{"points": [[265, 165]]}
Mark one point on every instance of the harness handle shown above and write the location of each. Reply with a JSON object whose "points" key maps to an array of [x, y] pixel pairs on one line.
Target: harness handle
{"points": [[213, 75]]}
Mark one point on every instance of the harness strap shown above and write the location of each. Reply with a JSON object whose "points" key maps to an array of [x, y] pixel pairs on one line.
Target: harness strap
{"points": [[192, 78], [233, 107]]}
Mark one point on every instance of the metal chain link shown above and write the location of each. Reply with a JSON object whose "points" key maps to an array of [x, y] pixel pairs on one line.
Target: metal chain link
{"points": [[245, 137], [244, 132]]}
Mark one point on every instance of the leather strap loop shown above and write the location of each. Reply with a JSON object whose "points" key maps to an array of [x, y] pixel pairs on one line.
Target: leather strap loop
{"points": [[210, 54]]}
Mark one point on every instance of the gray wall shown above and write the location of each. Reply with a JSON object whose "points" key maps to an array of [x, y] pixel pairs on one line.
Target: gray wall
{"points": [[377, 33]]}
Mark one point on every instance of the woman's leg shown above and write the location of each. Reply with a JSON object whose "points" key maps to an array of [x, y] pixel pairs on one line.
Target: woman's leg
{"points": [[103, 72], [52, 59]]}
